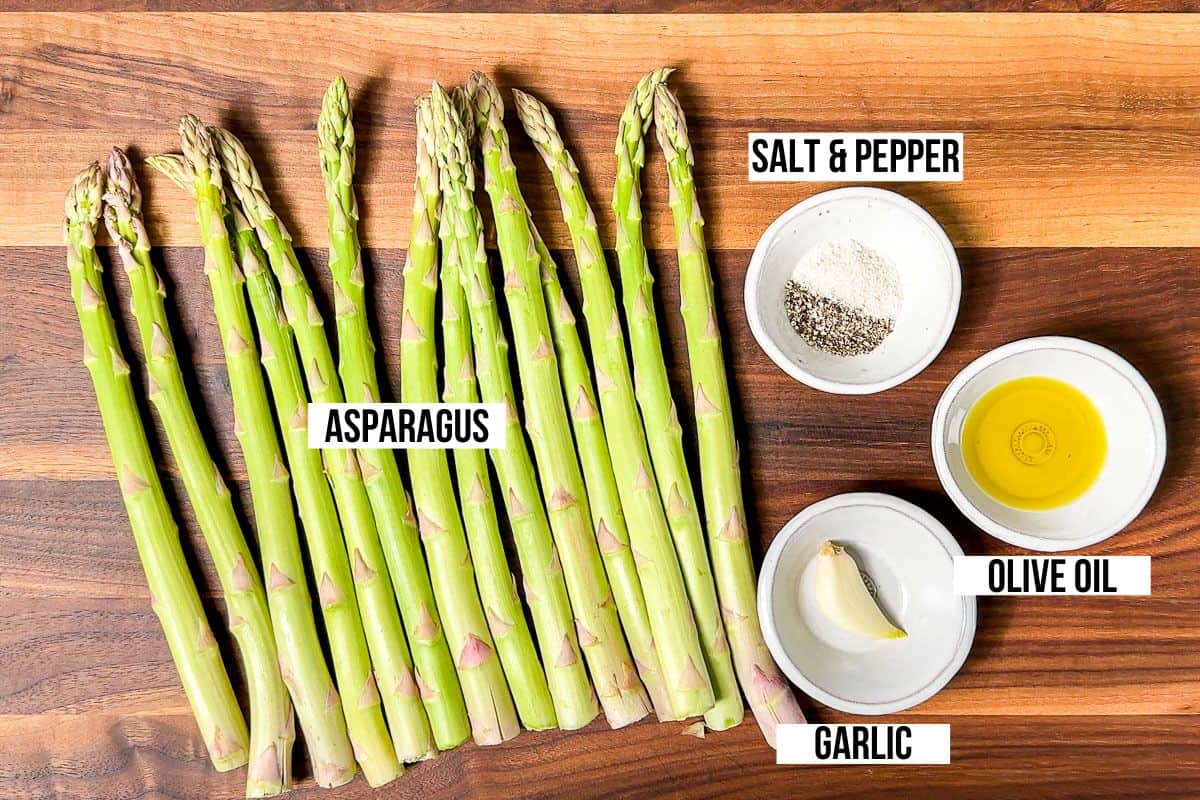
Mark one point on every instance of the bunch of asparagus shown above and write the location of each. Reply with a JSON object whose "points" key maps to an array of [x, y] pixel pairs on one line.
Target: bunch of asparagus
{"points": [[640, 597]]}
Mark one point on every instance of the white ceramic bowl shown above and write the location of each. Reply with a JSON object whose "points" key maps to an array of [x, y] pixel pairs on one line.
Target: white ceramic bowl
{"points": [[1133, 426], [909, 556], [895, 227]]}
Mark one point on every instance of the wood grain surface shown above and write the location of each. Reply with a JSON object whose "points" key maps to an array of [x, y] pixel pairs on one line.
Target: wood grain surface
{"points": [[1056, 108], [1079, 216]]}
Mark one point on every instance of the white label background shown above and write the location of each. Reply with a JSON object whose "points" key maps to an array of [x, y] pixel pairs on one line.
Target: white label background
{"points": [[495, 425], [1130, 574], [823, 173], [797, 744]]}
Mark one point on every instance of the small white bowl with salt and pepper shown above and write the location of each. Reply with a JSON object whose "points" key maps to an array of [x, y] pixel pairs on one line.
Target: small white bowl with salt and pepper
{"points": [[853, 291]]}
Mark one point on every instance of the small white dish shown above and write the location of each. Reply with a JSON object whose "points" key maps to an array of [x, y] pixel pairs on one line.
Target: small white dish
{"points": [[1133, 425], [909, 556], [897, 228]]}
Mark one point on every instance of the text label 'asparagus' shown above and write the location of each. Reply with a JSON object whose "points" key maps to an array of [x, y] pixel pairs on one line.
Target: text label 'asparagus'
{"points": [[406, 426]]}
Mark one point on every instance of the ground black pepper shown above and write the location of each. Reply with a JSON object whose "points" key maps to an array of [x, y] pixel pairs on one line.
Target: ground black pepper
{"points": [[831, 326]]}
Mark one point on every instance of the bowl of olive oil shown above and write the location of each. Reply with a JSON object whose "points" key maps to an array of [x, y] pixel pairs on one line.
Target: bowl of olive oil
{"points": [[1051, 443]]}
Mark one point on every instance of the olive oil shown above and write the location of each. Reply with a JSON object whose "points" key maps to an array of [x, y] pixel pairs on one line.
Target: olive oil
{"points": [[1034, 443]]}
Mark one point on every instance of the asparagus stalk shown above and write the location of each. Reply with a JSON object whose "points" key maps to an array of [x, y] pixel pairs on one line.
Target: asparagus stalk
{"points": [[300, 654], [372, 605], [411, 585], [545, 589], [663, 432], [173, 594], [497, 590], [681, 656], [506, 617], [612, 534], [272, 730], [720, 475], [489, 701], [621, 693], [394, 518], [337, 585]]}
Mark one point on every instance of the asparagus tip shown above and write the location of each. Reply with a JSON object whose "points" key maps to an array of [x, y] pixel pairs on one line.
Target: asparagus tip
{"points": [[335, 131], [234, 158], [121, 182], [83, 198], [337, 92], [639, 110], [173, 166], [123, 202], [335, 105], [537, 121], [460, 99], [198, 148], [485, 97], [120, 170], [669, 122], [448, 129]]}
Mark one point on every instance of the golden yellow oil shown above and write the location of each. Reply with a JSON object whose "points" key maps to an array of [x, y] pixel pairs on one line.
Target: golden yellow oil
{"points": [[1034, 443]]}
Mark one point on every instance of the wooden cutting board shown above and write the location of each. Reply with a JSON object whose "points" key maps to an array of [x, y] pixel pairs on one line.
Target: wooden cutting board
{"points": [[1078, 214]]}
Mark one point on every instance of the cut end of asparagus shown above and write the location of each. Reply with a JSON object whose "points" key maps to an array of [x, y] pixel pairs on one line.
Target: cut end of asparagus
{"points": [[772, 701]]}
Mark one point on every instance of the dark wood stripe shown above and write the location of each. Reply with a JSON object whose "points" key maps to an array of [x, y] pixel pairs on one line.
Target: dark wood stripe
{"points": [[1067, 758]]}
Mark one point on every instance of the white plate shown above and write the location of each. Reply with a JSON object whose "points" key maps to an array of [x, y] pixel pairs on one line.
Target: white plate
{"points": [[1133, 425], [897, 228], [909, 556]]}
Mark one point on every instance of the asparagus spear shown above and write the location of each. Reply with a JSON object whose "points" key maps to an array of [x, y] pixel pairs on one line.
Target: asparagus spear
{"points": [[410, 581], [300, 654], [505, 615], [489, 701], [395, 521], [272, 730], [720, 475], [337, 585], [545, 589], [680, 653], [612, 534], [621, 693], [372, 606], [173, 594], [663, 432]]}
